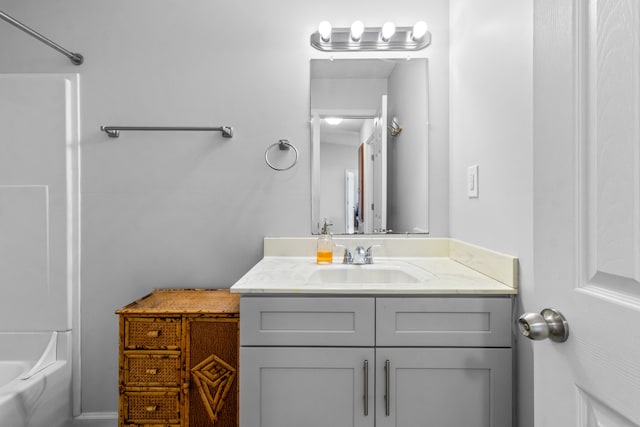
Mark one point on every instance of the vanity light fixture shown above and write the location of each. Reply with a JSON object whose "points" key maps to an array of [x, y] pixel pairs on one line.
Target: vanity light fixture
{"points": [[324, 30], [357, 28], [394, 127], [419, 30], [388, 30], [333, 120], [360, 38]]}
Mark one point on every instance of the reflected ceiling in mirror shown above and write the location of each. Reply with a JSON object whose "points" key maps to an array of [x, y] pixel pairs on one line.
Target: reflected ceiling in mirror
{"points": [[369, 172]]}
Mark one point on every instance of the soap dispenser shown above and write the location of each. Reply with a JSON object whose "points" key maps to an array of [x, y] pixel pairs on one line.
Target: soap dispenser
{"points": [[324, 253]]}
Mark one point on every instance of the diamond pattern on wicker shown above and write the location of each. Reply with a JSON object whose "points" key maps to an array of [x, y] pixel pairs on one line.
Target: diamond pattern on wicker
{"points": [[213, 378]]}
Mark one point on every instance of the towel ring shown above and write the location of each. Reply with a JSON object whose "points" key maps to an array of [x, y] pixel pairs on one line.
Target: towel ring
{"points": [[283, 144]]}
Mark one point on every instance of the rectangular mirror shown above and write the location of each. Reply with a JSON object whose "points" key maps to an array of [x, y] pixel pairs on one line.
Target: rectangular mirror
{"points": [[369, 134]]}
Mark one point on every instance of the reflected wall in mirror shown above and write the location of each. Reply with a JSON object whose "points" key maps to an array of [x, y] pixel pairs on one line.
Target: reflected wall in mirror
{"points": [[369, 132]]}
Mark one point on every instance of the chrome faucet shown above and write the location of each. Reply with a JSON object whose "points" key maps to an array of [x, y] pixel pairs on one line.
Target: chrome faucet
{"points": [[359, 256]]}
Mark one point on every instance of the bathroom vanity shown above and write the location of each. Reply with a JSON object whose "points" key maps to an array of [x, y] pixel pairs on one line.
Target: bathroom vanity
{"points": [[406, 341]]}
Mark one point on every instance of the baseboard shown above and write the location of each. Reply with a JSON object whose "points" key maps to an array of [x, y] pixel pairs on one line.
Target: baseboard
{"points": [[96, 419]]}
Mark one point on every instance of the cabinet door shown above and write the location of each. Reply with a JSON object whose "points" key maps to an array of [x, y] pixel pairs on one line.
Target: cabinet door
{"points": [[310, 387], [443, 387], [212, 370]]}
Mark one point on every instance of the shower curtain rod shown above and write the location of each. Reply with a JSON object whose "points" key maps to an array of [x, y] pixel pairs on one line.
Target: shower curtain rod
{"points": [[75, 58]]}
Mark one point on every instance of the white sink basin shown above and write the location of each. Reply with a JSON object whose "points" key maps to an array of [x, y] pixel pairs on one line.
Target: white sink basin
{"points": [[365, 274]]}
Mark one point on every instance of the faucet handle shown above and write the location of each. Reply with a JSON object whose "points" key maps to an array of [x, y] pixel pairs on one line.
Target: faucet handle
{"points": [[348, 257], [358, 255], [368, 254]]}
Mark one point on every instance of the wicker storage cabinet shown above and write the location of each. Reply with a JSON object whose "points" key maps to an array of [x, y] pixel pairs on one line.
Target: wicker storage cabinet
{"points": [[179, 359]]}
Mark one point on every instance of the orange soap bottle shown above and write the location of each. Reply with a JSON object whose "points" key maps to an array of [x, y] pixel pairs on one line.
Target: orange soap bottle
{"points": [[324, 253]]}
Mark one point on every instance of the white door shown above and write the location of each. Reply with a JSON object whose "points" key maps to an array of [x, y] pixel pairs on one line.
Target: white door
{"points": [[587, 210], [379, 168], [350, 191]]}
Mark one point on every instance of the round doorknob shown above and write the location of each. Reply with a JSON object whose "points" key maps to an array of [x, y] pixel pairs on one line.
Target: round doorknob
{"points": [[550, 323]]}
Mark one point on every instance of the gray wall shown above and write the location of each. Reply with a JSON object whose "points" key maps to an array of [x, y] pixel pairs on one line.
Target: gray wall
{"points": [[491, 110], [408, 151], [190, 210]]}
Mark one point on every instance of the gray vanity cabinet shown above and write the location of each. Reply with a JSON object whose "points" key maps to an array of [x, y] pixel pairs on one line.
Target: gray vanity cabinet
{"points": [[365, 361]]}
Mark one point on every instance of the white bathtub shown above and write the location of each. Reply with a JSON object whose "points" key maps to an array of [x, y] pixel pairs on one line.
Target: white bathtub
{"points": [[35, 380]]}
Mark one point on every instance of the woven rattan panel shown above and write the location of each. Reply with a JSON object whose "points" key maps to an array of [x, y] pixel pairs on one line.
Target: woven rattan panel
{"points": [[185, 301], [152, 333], [144, 408], [149, 369]]}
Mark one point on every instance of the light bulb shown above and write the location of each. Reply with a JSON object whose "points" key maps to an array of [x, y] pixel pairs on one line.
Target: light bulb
{"points": [[325, 31], [419, 30], [357, 28], [333, 120], [388, 30]]}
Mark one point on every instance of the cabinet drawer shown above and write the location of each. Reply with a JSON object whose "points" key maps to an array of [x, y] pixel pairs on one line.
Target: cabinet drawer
{"points": [[152, 333], [150, 408], [443, 322], [145, 369], [276, 321]]}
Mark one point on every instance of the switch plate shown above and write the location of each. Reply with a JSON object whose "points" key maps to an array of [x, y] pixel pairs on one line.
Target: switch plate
{"points": [[472, 181]]}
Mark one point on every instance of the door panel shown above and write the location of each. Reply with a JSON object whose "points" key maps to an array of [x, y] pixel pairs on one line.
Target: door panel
{"points": [[587, 209], [212, 367], [379, 168]]}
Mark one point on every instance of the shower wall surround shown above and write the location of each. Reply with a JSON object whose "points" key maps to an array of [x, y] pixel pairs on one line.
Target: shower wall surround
{"points": [[38, 201]]}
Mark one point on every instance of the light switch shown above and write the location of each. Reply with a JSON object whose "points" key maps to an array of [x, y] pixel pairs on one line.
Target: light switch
{"points": [[472, 181]]}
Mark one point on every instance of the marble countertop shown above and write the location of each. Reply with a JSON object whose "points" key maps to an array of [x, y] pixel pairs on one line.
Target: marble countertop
{"points": [[436, 275]]}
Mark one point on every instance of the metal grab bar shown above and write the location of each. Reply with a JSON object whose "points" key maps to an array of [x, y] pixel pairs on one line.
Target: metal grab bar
{"points": [[114, 131], [75, 58]]}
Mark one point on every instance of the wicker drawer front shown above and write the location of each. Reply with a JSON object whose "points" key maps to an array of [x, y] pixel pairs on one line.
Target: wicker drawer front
{"points": [[151, 369], [152, 333], [151, 407]]}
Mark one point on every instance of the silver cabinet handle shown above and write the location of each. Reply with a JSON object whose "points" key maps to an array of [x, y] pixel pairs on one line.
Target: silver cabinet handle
{"points": [[366, 387], [550, 323], [387, 394]]}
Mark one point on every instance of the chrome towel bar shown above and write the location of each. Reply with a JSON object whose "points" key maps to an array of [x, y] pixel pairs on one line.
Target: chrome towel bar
{"points": [[75, 58], [114, 131]]}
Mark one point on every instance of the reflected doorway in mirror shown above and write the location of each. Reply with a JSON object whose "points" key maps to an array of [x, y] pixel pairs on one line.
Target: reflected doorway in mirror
{"points": [[397, 196]]}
